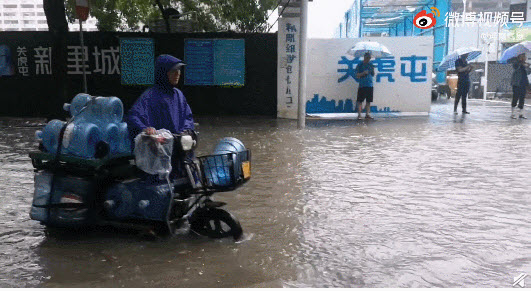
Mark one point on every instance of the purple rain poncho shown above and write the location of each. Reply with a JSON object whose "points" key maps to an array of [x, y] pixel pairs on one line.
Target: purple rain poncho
{"points": [[161, 106]]}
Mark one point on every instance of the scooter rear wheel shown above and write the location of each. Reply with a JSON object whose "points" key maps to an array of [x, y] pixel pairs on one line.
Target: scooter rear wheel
{"points": [[215, 223]]}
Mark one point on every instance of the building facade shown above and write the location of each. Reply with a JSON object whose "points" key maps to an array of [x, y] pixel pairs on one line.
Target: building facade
{"points": [[28, 15], [374, 18]]}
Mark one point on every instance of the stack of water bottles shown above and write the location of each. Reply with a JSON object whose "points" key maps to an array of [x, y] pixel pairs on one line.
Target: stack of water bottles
{"points": [[94, 120], [224, 167]]}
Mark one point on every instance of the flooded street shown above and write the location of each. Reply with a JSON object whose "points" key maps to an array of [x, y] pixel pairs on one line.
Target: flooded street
{"points": [[438, 201]]}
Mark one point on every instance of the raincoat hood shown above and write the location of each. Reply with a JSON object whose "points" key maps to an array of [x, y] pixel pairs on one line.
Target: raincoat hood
{"points": [[161, 106], [163, 65]]}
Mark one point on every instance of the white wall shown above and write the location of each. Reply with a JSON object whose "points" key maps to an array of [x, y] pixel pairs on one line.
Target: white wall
{"points": [[288, 67], [403, 95]]}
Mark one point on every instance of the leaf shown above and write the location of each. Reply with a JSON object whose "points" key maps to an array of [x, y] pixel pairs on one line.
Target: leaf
{"points": [[209, 15]]}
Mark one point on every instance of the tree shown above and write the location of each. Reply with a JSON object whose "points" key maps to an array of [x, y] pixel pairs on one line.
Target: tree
{"points": [[211, 15], [235, 15], [58, 28], [118, 15]]}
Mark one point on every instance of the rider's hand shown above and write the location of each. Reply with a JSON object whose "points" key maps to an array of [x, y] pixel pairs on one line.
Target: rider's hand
{"points": [[150, 130]]}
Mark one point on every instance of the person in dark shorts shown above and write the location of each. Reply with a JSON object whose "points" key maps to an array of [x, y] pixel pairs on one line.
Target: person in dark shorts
{"points": [[364, 74], [520, 84], [463, 82]]}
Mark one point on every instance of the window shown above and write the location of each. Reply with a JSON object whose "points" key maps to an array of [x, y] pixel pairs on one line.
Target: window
{"points": [[10, 5], [29, 21], [39, 5], [26, 6], [42, 22], [10, 14], [11, 22], [40, 13], [28, 13]]}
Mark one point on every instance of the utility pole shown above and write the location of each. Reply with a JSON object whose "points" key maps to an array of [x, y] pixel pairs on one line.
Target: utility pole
{"points": [[82, 12], [303, 55], [83, 56], [487, 46]]}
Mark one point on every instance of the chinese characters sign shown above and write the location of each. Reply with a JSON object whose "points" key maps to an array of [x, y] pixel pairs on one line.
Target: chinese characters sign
{"points": [[37, 61], [214, 62], [412, 67], [138, 61], [288, 67], [402, 82], [457, 19]]}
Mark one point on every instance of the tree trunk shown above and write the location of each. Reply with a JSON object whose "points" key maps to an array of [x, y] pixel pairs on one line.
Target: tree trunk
{"points": [[58, 28], [164, 16]]}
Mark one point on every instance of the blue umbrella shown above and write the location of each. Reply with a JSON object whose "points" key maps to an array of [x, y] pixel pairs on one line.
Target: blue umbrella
{"points": [[515, 50], [376, 50], [448, 62]]}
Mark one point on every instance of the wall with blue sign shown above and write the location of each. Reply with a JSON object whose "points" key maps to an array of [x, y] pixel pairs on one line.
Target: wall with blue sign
{"points": [[402, 82], [214, 62], [137, 59], [244, 77]]}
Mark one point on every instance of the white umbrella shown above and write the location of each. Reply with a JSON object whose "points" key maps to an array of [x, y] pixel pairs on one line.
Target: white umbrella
{"points": [[515, 50], [376, 50], [448, 62]]}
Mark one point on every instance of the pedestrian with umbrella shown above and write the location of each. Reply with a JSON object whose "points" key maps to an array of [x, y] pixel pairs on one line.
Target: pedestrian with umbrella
{"points": [[365, 73], [520, 84], [463, 82], [459, 59], [519, 80]]}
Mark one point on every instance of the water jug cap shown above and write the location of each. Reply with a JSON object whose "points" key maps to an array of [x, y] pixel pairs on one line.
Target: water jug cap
{"points": [[38, 135]]}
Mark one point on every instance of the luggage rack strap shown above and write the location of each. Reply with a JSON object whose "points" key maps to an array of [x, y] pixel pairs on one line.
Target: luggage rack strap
{"points": [[94, 163]]}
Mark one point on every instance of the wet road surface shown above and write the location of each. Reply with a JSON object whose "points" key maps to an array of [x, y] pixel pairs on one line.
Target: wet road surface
{"points": [[438, 201]]}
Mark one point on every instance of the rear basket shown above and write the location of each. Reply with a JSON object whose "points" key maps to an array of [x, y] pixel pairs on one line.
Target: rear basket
{"points": [[226, 172]]}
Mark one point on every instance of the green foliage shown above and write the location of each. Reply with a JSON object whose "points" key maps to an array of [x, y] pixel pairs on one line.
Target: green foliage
{"points": [[118, 15], [235, 15], [210, 15]]}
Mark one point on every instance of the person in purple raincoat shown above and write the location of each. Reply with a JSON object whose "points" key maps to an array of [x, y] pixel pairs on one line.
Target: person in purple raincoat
{"points": [[162, 106]]}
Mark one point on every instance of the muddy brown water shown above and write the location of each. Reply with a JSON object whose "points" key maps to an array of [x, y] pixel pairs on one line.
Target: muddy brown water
{"points": [[438, 201]]}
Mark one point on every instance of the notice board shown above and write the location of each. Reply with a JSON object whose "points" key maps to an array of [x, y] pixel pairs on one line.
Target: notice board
{"points": [[137, 58], [214, 62]]}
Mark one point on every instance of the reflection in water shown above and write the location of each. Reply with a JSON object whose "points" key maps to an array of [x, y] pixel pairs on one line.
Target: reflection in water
{"points": [[438, 201]]}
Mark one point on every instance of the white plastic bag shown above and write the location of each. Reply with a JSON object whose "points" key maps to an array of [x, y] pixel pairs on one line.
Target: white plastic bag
{"points": [[153, 152]]}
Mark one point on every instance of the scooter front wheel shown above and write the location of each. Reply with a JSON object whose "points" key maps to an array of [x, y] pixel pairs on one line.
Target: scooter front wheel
{"points": [[215, 223]]}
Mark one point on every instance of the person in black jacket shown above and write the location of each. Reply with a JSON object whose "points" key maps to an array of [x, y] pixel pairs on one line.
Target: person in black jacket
{"points": [[463, 82], [520, 84]]}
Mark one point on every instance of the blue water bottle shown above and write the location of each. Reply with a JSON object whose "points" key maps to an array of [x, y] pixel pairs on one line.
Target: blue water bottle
{"points": [[230, 145], [49, 135], [80, 139], [125, 141], [111, 135], [78, 102], [107, 110]]}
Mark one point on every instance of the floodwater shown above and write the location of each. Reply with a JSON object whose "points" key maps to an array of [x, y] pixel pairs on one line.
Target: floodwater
{"points": [[438, 201]]}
